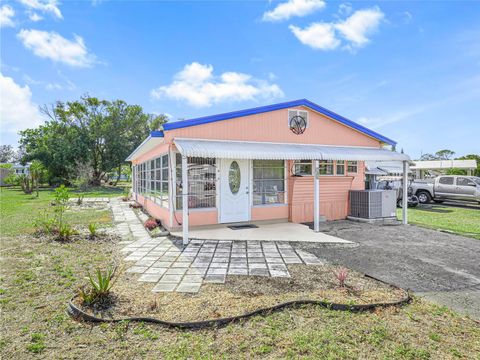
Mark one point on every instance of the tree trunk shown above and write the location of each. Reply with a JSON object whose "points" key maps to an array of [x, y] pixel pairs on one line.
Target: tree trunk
{"points": [[119, 174]]}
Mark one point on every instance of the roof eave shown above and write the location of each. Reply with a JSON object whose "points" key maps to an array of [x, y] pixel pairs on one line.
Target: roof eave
{"points": [[280, 106]]}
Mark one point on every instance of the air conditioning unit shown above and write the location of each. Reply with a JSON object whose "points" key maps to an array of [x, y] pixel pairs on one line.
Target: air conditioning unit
{"points": [[373, 204]]}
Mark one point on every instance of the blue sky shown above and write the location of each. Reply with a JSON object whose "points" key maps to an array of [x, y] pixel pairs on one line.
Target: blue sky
{"points": [[409, 70]]}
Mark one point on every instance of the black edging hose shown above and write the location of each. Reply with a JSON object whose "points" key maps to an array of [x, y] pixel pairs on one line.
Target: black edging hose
{"points": [[79, 314]]}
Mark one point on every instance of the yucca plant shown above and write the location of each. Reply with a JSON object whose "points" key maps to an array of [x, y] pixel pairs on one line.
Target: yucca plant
{"points": [[92, 228], [100, 284]]}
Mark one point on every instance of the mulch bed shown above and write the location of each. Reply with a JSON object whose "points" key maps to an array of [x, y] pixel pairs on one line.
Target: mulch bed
{"points": [[243, 294]]}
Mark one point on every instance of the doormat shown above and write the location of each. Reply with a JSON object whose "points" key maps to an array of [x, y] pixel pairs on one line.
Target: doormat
{"points": [[241, 227]]}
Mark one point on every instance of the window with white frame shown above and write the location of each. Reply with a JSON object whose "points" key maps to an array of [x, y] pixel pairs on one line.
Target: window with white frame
{"points": [[202, 178], [340, 168], [302, 167], [293, 113], [326, 167], [268, 182], [352, 167], [152, 180]]}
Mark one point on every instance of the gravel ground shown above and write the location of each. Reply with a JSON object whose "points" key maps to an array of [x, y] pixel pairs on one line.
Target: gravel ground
{"points": [[445, 268]]}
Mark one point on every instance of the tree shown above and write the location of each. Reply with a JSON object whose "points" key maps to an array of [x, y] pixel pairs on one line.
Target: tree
{"points": [[156, 122], [36, 171], [444, 154], [7, 153], [98, 133]]}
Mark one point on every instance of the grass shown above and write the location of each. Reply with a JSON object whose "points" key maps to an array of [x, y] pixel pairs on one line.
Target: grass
{"points": [[39, 277], [457, 220], [18, 210]]}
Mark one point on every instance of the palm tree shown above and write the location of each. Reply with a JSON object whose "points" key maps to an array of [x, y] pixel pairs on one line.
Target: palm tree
{"points": [[36, 171]]}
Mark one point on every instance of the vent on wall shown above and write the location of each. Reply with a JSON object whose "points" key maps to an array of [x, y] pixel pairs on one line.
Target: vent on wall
{"points": [[293, 113]]}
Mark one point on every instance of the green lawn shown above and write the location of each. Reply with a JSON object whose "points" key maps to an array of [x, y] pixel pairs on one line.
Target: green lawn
{"points": [[38, 278], [19, 210], [458, 220]]}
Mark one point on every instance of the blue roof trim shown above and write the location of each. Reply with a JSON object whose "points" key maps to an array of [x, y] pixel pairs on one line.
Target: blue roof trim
{"points": [[284, 105], [156, 133]]}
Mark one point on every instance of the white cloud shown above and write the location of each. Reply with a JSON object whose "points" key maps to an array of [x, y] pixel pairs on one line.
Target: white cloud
{"points": [[6, 16], [360, 24], [17, 111], [354, 31], [317, 35], [197, 85], [53, 46], [286, 10], [35, 17], [45, 6]]}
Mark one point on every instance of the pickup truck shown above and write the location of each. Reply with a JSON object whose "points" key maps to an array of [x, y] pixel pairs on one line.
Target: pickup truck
{"points": [[447, 187]]}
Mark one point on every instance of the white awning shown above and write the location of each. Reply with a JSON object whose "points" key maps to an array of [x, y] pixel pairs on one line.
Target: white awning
{"points": [[281, 151]]}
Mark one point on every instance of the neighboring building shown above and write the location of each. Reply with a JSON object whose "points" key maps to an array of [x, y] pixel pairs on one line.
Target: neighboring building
{"points": [[433, 168], [255, 165], [20, 169]]}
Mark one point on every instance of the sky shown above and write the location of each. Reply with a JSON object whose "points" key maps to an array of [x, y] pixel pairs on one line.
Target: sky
{"points": [[409, 70]]}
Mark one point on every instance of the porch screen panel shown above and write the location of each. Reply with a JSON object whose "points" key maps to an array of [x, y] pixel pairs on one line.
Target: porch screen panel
{"points": [[202, 177], [152, 180], [268, 182]]}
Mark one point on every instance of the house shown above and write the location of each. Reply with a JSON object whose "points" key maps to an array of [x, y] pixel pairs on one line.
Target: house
{"points": [[294, 161]]}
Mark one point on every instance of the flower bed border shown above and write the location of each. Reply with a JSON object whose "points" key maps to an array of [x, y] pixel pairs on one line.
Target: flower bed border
{"points": [[78, 314]]}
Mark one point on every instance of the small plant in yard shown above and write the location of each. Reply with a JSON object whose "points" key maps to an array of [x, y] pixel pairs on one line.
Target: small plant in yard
{"points": [[151, 224], [65, 232], [126, 194], [92, 228], [100, 285], [80, 199], [341, 275]]}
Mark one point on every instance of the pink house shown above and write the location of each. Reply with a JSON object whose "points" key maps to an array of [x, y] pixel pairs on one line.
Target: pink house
{"points": [[294, 161]]}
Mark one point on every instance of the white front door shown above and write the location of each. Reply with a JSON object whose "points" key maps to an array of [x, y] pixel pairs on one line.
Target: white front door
{"points": [[234, 191]]}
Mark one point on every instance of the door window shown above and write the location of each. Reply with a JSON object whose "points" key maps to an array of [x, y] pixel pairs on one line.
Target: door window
{"points": [[461, 181], [446, 180], [234, 177]]}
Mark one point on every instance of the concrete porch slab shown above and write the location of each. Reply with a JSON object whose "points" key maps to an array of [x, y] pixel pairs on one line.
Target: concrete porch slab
{"points": [[285, 231]]}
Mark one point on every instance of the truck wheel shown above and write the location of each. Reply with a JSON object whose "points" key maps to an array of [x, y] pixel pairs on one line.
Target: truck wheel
{"points": [[424, 197]]}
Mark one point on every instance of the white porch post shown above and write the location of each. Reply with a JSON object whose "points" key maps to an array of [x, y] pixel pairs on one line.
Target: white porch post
{"points": [[405, 193], [316, 199], [185, 199]]}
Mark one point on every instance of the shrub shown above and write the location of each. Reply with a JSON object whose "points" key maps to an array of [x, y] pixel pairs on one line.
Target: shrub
{"points": [[80, 199], [65, 231], [100, 286], [92, 228], [341, 275], [12, 179], [151, 224], [45, 224]]}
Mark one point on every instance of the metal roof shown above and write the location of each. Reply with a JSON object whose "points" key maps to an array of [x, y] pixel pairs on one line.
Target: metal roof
{"points": [[444, 164], [284, 105], [281, 151], [155, 138]]}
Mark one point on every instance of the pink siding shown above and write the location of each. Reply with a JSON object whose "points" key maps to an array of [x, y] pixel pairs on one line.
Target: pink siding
{"points": [[269, 212], [155, 210], [197, 217], [159, 150], [333, 195], [273, 127]]}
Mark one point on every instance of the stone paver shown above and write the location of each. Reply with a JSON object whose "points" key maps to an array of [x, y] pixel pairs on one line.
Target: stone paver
{"points": [[174, 267]]}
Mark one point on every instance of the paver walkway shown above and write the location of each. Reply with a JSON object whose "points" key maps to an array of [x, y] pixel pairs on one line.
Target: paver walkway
{"points": [[174, 267]]}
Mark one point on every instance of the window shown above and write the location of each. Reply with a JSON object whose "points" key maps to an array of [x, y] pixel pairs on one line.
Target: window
{"points": [[325, 167], [352, 167], [340, 167], [302, 167], [268, 182], [151, 180], [446, 180], [202, 177], [461, 181], [234, 177], [302, 113]]}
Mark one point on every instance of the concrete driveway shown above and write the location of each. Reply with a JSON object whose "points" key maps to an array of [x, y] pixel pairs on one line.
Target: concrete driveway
{"points": [[442, 267]]}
